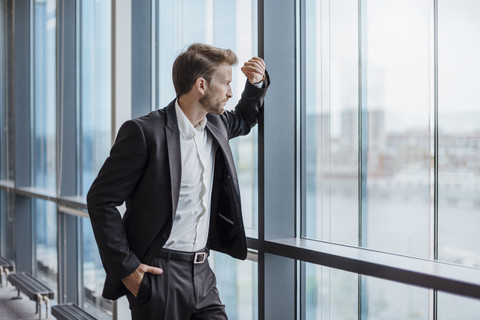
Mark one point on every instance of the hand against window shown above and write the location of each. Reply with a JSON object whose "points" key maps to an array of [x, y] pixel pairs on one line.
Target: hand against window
{"points": [[254, 69]]}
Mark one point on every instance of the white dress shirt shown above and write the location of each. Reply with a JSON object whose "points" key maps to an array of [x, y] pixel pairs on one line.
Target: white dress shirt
{"points": [[191, 223]]}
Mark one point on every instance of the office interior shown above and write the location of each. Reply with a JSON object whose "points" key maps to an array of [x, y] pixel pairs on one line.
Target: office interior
{"points": [[360, 185]]}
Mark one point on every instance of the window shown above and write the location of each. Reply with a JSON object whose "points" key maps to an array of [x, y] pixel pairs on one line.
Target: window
{"points": [[458, 132], [333, 294], [455, 307], [330, 293], [331, 107], [93, 275], [384, 112], [391, 158], [44, 142], [371, 181], [95, 88], [237, 283], [46, 251], [44, 108], [95, 136]]}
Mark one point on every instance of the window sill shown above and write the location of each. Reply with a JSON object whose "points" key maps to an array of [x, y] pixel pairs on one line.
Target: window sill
{"points": [[426, 273]]}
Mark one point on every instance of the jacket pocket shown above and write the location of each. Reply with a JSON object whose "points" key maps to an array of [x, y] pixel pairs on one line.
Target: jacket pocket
{"points": [[227, 220], [144, 290]]}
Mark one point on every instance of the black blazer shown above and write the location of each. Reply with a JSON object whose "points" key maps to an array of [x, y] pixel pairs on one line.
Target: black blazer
{"points": [[144, 171]]}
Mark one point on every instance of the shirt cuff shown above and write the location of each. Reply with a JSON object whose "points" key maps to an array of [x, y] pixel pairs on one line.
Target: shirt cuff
{"points": [[258, 85]]}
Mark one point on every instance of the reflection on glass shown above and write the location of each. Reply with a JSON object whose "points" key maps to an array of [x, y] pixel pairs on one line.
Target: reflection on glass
{"points": [[396, 103], [334, 294], [391, 300], [331, 107], [95, 136], [93, 276], [330, 293], [44, 144], [459, 132], [394, 86], [225, 24], [237, 283], [453, 307], [95, 87], [46, 251]]}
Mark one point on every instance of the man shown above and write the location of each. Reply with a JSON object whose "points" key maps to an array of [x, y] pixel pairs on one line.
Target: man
{"points": [[174, 170]]}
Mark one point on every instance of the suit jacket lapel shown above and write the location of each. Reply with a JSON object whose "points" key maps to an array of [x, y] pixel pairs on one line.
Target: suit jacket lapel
{"points": [[225, 147], [174, 156]]}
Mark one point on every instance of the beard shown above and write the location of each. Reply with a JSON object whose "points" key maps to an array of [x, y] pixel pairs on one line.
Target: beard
{"points": [[212, 104]]}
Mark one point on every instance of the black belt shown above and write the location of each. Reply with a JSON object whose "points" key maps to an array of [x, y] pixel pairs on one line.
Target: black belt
{"points": [[194, 257]]}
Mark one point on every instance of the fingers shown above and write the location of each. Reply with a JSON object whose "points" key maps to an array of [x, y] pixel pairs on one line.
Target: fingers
{"points": [[254, 69], [133, 280], [255, 65], [150, 269], [257, 60]]}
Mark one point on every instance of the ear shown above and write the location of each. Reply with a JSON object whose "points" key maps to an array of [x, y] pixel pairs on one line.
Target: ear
{"points": [[201, 85]]}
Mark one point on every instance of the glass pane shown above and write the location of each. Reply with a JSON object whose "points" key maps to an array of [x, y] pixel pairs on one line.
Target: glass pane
{"points": [[459, 131], [330, 293], [44, 126], [237, 283], [393, 301], [334, 294], [46, 251], [93, 276], [95, 137], [453, 307], [396, 84], [95, 88], [331, 106], [227, 24]]}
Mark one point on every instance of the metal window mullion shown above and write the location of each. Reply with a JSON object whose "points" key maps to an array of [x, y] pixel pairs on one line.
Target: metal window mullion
{"points": [[32, 90], [78, 90], [279, 190], [261, 178], [362, 153], [141, 58], [436, 138], [68, 149], [154, 54], [301, 196], [434, 293]]}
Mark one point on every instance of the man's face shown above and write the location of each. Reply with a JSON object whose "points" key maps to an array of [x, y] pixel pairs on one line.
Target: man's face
{"points": [[218, 91]]}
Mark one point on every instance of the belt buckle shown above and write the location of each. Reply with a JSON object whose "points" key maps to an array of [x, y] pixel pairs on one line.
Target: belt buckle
{"points": [[200, 257]]}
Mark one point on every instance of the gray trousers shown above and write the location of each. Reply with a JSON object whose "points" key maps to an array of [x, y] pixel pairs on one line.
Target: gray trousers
{"points": [[183, 291]]}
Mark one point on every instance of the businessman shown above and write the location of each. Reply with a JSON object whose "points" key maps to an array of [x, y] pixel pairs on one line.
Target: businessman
{"points": [[174, 170]]}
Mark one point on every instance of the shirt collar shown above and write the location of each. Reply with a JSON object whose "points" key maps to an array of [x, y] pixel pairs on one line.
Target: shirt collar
{"points": [[185, 126]]}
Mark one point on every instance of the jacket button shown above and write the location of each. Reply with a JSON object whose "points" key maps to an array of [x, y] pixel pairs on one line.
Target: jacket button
{"points": [[165, 236]]}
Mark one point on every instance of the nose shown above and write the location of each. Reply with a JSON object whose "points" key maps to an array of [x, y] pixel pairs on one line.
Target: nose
{"points": [[229, 92]]}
